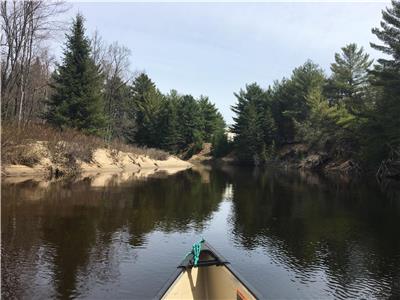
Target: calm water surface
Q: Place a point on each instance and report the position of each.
(291, 235)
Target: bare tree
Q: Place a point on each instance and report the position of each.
(25, 26)
(114, 60)
(117, 70)
(98, 49)
(117, 62)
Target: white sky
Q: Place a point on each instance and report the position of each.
(214, 49)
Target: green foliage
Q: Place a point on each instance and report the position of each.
(254, 125)
(266, 119)
(304, 78)
(147, 107)
(344, 115)
(212, 120)
(220, 144)
(349, 94)
(109, 105)
(384, 125)
(170, 135)
(191, 121)
(289, 101)
(354, 113)
(326, 124)
(77, 100)
(349, 83)
(172, 122)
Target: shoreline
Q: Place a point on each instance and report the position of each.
(103, 161)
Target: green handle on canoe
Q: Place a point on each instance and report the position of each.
(196, 249)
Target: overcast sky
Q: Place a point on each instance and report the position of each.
(215, 49)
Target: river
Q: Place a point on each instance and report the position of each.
(290, 234)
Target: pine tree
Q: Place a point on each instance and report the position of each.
(212, 120)
(146, 105)
(190, 123)
(77, 100)
(268, 126)
(322, 122)
(349, 94)
(170, 136)
(289, 99)
(249, 143)
(253, 94)
(350, 79)
(252, 124)
(386, 123)
(304, 78)
(220, 145)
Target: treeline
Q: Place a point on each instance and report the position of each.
(93, 89)
(96, 98)
(352, 114)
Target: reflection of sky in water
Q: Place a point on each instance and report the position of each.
(130, 236)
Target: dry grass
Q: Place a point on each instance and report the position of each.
(150, 152)
(65, 147)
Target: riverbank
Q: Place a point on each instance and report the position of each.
(303, 157)
(297, 156)
(103, 160)
(42, 150)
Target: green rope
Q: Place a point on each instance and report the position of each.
(196, 249)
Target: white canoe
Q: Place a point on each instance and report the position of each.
(213, 278)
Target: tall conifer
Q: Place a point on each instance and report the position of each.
(77, 100)
(387, 77)
(349, 78)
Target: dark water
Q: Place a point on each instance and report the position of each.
(291, 235)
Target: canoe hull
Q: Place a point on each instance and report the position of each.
(208, 281)
(211, 282)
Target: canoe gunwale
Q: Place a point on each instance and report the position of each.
(187, 264)
(169, 283)
(236, 274)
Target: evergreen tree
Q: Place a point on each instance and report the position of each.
(289, 99)
(325, 122)
(349, 81)
(280, 103)
(303, 80)
(349, 94)
(253, 94)
(170, 136)
(190, 123)
(212, 120)
(249, 143)
(268, 126)
(77, 100)
(219, 144)
(146, 105)
(254, 126)
(385, 125)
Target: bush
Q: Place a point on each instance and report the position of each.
(220, 145)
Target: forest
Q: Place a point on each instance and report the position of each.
(92, 89)
(352, 113)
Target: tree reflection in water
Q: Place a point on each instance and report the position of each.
(311, 224)
(77, 226)
(115, 235)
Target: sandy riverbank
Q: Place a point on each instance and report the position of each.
(103, 160)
